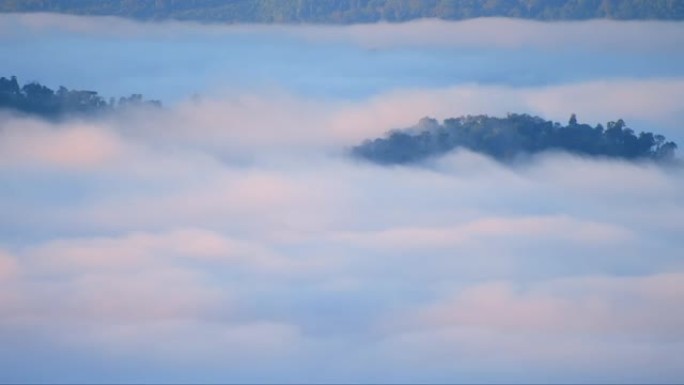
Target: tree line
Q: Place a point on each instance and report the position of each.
(506, 138)
(355, 11)
(36, 99)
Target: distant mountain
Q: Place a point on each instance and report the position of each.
(355, 11)
(507, 138)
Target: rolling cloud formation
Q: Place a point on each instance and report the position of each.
(229, 238)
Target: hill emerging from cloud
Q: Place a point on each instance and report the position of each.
(517, 134)
(37, 99)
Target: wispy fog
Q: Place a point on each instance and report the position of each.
(228, 237)
(170, 61)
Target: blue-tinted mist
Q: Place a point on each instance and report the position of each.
(229, 240)
(175, 67)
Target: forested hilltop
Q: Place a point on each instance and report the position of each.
(354, 11)
(36, 99)
(507, 138)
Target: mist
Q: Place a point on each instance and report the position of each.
(171, 61)
(229, 237)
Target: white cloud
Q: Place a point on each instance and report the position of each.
(490, 230)
(514, 34)
(27, 143)
(595, 102)
(8, 265)
(581, 327)
(231, 237)
(635, 306)
(606, 35)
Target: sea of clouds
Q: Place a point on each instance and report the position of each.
(228, 237)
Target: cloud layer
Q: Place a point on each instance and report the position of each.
(172, 60)
(207, 258)
(230, 238)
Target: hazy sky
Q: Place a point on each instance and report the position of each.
(228, 238)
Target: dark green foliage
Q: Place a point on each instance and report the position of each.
(36, 99)
(507, 138)
(354, 11)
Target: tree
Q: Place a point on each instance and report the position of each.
(506, 138)
(35, 98)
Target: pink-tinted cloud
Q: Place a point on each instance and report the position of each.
(8, 265)
(648, 306)
(82, 146)
(489, 230)
(607, 35)
(594, 101)
(233, 235)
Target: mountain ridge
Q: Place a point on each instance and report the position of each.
(355, 11)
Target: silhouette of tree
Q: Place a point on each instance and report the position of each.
(516, 134)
